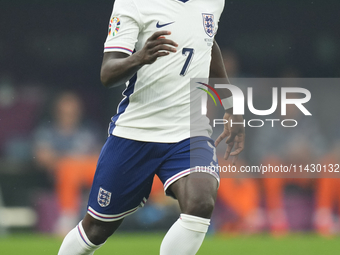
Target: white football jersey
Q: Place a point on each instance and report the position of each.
(156, 107)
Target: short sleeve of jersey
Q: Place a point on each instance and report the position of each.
(124, 27)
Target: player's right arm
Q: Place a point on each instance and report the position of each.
(118, 67)
(126, 24)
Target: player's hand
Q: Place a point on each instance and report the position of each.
(235, 136)
(156, 46)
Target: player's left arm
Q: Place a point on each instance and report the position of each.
(217, 69)
(235, 135)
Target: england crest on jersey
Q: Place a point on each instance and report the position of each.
(209, 24)
(104, 197)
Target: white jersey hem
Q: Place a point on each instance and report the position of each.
(133, 134)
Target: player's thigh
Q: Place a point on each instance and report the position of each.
(123, 179)
(195, 191)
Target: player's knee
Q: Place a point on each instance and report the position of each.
(97, 231)
(97, 235)
(201, 207)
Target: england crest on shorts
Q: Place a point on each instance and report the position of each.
(104, 197)
(209, 24)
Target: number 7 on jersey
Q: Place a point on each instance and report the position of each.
(189, 53)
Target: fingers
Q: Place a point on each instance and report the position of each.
(237, 150)
(236, 142)
(235, 139)
(163, 47)
(239, 146)
(221, 137)
(165, 41)
(160, 41)
(231, 138)
(158, 46)
(235, 158)
(158, 34)
(155, 40)
(228, 150)
(160, 54)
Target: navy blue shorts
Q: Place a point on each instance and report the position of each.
(126, 169)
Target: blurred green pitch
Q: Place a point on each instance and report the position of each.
(148, 244)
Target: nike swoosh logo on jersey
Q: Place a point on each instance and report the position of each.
(163, 25)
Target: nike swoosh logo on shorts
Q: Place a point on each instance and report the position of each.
(163, 25)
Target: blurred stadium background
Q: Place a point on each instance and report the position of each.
(50, 57)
